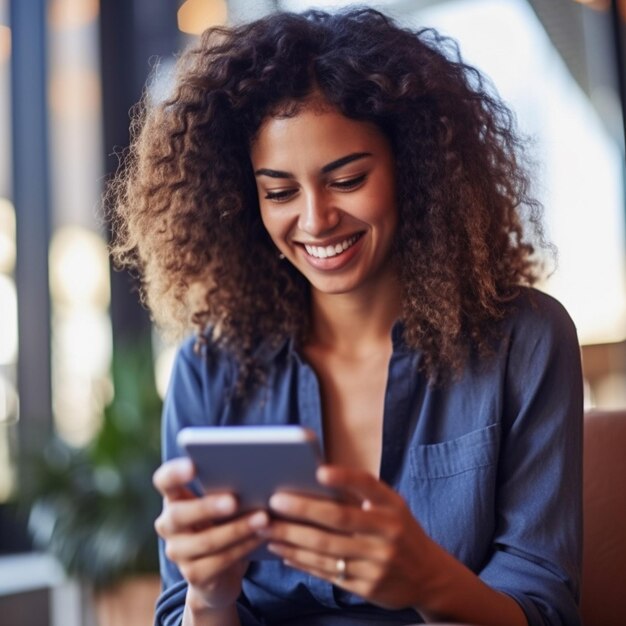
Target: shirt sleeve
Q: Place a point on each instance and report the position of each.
(538, 541)
(199, 387)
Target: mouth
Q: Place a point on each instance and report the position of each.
(331, 250)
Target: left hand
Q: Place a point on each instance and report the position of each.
(388, 558)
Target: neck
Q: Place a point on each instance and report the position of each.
(355, 324)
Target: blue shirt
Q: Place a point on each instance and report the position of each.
(488, 463)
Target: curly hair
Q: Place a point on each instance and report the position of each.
(186, 214)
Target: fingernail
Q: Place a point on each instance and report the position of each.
(258, 520)
(225, 504)
(279, 501)
(274, 548)
(322, 474)
(184, 466)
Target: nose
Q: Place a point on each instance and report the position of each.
(318, 215)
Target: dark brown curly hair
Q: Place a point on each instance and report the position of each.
(186, 214)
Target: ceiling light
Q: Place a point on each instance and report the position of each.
(195, 16)
(598, 5)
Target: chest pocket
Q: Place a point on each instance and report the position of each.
(453, 485)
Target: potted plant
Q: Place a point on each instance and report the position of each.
(94, 507)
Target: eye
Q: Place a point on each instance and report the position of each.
(280, 196)
(350, 184)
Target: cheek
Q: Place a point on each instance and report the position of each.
(268, 217)
(391, 212)
(380, 205)
(264, 217)
(273, 226)
(381, 211)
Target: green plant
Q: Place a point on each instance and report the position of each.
(94, 507)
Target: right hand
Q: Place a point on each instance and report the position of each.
(203, 538)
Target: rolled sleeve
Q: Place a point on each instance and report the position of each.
(538, 539)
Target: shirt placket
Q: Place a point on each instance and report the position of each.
(310, 409)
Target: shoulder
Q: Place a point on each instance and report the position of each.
(539, 342)
(200, 363)
(200, 385)
(206, 364)
(535, 314)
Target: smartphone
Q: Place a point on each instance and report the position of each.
(253, 462)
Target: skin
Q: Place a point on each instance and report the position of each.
(339, 188)
(323, 180)
(209, 552)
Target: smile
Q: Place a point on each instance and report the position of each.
(327, 252)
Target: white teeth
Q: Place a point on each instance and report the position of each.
(325, 252)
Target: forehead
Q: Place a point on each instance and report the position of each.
(314, 130)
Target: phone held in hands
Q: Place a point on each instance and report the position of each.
(253, 462)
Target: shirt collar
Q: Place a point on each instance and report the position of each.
(268, 350)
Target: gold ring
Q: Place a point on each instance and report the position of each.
(340, 566)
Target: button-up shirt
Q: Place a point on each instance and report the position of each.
(488, 462)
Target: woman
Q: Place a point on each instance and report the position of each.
(337, 205)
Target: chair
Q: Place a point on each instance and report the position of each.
(603, 600)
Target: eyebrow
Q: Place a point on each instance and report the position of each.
(329, 167)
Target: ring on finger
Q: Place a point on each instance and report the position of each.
(340, 567)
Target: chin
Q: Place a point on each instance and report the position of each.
(336, 289)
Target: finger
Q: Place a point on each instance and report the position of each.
(184, 515)
(322, 541)
(358, 484)
(359, 577)
(202, 571)
(216, 539)
(333, 515)
(172, 477)
(339, 571)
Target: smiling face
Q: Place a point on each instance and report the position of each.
(326, 186)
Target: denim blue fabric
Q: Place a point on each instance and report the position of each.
(489, 463)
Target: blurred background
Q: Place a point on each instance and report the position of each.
(81, 371)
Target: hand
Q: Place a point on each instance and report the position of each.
(202, 538)
(388, 558)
